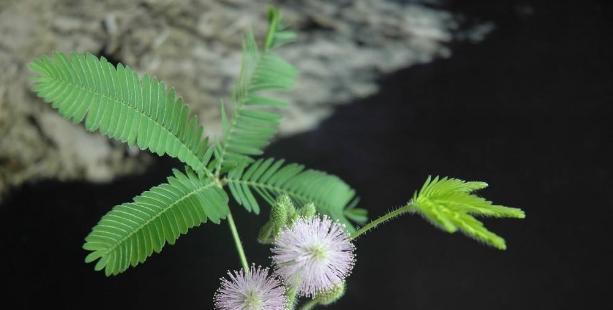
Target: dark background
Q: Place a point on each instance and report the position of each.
(528, 110)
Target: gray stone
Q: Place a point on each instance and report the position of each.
(193, 45)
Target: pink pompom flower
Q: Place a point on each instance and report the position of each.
(314, 255)
(251, 290)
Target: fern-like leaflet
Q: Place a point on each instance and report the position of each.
(451, 205)
(270, 178)
(253, 124)
(131, 232)
(119, 104)
(145, 113)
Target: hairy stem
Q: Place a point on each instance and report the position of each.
(237, 242)
(373, 224)
(309, 305)
(291, 297)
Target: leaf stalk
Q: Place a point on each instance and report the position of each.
(408, 208)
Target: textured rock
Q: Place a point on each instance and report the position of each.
(193, 45)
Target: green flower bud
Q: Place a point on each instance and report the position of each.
(308, 210)
(282, 213)
(330, 296)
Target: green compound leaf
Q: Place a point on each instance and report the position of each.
(119, 104)
(254, 122)
(131, 232)
(277, 34)
(451, 205)
(270, 178)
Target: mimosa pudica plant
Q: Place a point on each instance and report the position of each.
(313, 219)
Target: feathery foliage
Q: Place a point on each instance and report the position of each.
(451, 205)
(119, 104)
(270, 178)
(131, 232)
(144, 112)
(253, 123)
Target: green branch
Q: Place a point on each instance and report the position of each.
(309, 305)
(408, 208)
(237, 242)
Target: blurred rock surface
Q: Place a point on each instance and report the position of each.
(194, 45)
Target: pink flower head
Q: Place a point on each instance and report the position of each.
(314, 254)
(251, 290)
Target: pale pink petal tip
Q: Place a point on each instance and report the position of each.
(252, 290)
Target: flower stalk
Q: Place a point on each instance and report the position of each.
(237, 242)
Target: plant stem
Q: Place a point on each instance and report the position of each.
(291, 297)
(237, 242)
(373, 224)
(309, 305)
